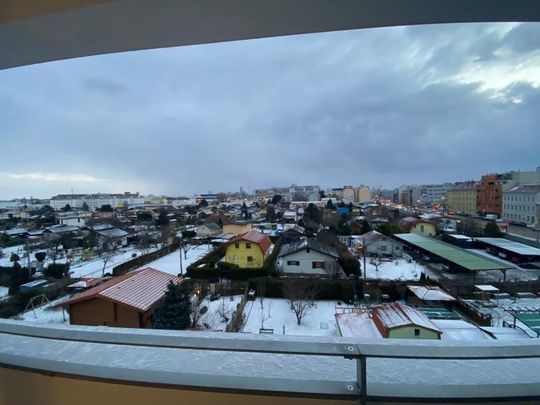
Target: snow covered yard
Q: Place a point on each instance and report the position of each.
(277, 315)
(48, 313)
(171, 262)
(219, 312)
(397, 269)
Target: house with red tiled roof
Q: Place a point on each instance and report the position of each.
(125, 301)
(248, 250)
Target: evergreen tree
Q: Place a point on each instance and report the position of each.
(276, 199)
(85, 207)
(162, 218)
(174, 312)
(330, 205)
(492, 230)
(366, 227)
(66, 208)
(270, 214)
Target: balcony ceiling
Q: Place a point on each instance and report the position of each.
(34, 31)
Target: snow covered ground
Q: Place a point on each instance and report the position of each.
(398, 269)
(48, 313)
(219, 312)
(171, 263)
(3, 292)
(319, 321)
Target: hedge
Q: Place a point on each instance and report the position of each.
(142, 260)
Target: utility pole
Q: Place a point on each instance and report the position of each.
(364, 254)
(180, 251)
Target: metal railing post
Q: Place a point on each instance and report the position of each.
(361, 378)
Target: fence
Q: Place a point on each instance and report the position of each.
(144, 259)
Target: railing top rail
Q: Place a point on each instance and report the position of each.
(341, 347)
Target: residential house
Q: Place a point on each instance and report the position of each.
(417, 225)
(377, 244)
(308, 257)
(237, 228)
(248, 250)
(73, 218)
(429, 296)
(114, 236)
(125, 301)
(397, 321)
(209, 229)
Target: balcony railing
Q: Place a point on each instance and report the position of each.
(331, 368)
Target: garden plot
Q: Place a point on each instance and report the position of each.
(277, 316)
(171, 262)
(397, 269)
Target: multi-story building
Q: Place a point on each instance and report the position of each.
(409, 195)
(461, 198)
(522, 204)
(489, 191)
(362, 194)
(434, 193)
(93, 201)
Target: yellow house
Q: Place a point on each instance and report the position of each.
(417, 225)
(396, 321)
(237, 228)
(248, 250)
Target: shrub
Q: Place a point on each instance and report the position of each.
(57, 270)
(14, 257)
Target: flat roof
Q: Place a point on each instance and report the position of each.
(486, 288)
(515, 247)
(531, 319)
(468, 260)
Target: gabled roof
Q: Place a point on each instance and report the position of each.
(212, 226)
(138, 289)
(305, 243)
(395, 315)
(430, 293)
(256, 237)
(372, 236)
(408, 222)
(113, 233)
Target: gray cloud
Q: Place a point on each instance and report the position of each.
(381, 107)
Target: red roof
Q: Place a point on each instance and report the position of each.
(137, 289)
(256, 237)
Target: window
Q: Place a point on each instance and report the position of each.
(293, 263)
(235, 259)
(248, 245)
(250, 259)
(318, 265)
(237, 245)
(417, 332)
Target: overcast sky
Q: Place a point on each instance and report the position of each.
(382, 107)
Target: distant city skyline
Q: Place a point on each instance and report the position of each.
(382, 107)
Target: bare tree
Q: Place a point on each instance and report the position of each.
(197, 307)
(376, 262)
(224, 311)
(143, 243)
(52, 242)
(105, 253)
(300, 295)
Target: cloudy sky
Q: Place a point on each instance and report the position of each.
(382, 107)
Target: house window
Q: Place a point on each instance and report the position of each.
(237, 245)
(235, 259)
(417, 332)
(248, 245)
(318, 265)
(293, 263)
(250, 259)
(307, 250)
(422, 228)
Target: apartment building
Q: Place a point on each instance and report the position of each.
(522, 204)
(461, 198)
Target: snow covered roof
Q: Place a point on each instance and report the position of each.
(430, 293)
(138, 289)
(395, 315)
(113, 233)
(86, 283)
(458, 329)
(305, 243)
(256, 237)
(357, 324)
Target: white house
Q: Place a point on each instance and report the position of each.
(377, 244)
(308, 257)
(209, 229)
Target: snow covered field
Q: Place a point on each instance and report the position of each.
(171, 263)
(399, 269)
(319, 321)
